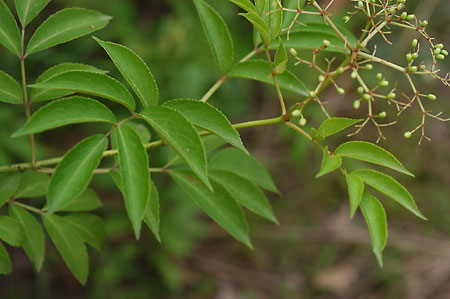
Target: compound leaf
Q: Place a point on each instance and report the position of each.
(218, 35)
(389, 187)
(179, 133)
(66, 25)
(209, 118)
(69, 244)
(34, 237)
(64, 112)
(369, 152)
(375, 217)
(219, 205)
(75, 171)
(134, 70)
(27, 10)
(334, 125)
(133, 162)
(96, 84)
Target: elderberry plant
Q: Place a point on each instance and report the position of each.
(193, 129)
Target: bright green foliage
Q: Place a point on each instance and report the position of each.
(39, 95)
(5, 261)
(219, 205)
(10, 90)
(133, 163)
(11, 231)
(335, 125)
(389, 187)
(259, 25)
(244, 192)
(259, 70)
(134, 70)
(275, 18)
(9, 33)
(27, 10)
(355, 186)
(179, 133)
(70, 245)
(248, 167)
(369, 152)
(151, 217)
(64, 112)
(8, 186)
(281, 60)
(90, 228)
(33, 235)
(209, 118)
(64, 26)
(218, 35)
(96, 84)
(375, 217)
(32, 184)
(87, 201)
(245, 4)
(330, 163)
(75, 171)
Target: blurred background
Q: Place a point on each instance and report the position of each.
(316, 252)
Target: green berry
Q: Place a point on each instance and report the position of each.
(445, 52)
(407, 134)
(340, 70)
(360, 4)
(414, 55)
(379, 76)
(373, 1)
(346, 19)
(321, 78)
(439, 46)
(302, 121)
(404, 15)
(353, 75)
(326, 43)
(424, 23)
(437, 51)
(368, 67)
(410, 17)
(293, 52)
(401, 1)
(390, 96)
(312, 94)
(414, 43)
(360, 90)
(422, 67)
(382, 114)
(409, 57)
(366, 97)
(384, 83)
(412, 69)
(356, 104)
(431, 97)
(295, 113)
(440, 57)
(340, 90)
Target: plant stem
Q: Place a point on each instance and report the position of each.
(109, 153)
(26, 207)
(26, 103)
(275, 80)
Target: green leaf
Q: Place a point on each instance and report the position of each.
(10, 90)
(134, 70)
(87, 201)
(261, 6)
(389, 187)
(66, 111)
(219, 205)
(245, 5)
(34, 237)
(355, 187)
(259, 70)
(289, 16)
(371, 153)
(330, 163)
(90, 228)
(69, 244)
(275, 18)
(39, 95)
(9, 31)
(311, 37)
(209, 118)
(100, 85)
(375, 217)
(244, 192)
(217, 34)
(248, 167)
(32, 184)
(259, 25)
(133, 162)
(11, 231)
(75, 171)
(66, 25)
(335, 125)
(8, 186)
(5, 261)
(281, 60)
(151, 217)
(179, 133)
(27, 10)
